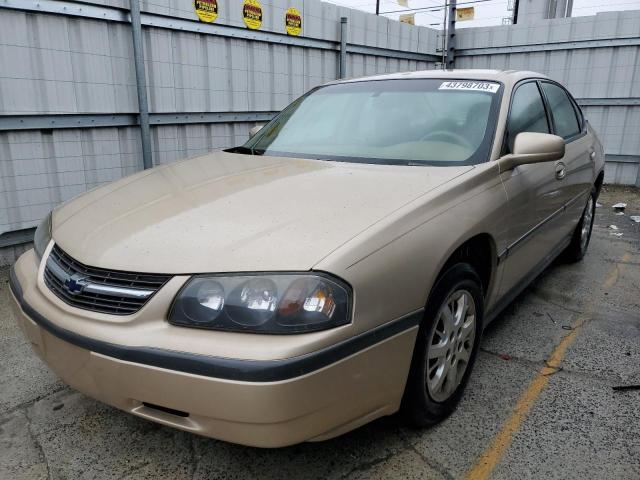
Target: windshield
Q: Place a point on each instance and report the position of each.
(412, 121)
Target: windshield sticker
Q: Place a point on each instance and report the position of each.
(476, 86)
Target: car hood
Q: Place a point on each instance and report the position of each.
(226, 212)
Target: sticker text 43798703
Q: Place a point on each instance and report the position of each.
(470, 85)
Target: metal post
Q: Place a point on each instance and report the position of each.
(443, 49)
(342, 72)
(451, 35)
(377, 7)
(568, 9)
(141, 83)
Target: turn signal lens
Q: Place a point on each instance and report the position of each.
(307, 300)
(256, 303)
(42, 237)
(321, 301)
(293, 298)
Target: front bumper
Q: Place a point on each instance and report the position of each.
(259, 403)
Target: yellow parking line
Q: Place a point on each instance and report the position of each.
(490, 458)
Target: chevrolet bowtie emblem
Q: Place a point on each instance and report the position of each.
(75, 284)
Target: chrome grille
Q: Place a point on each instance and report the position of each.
(98, 289)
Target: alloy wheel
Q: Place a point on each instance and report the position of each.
(451, 345)
(587, 220)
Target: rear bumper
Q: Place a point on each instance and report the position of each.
(260, 403)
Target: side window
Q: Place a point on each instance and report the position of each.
(562, 110)
(527, 113)
(578, 114)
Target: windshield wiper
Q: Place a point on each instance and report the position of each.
(245, 150)
(239, 149)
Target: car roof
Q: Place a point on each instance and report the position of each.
(508, 77)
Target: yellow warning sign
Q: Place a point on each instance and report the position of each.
(293, 21)
(207, 10)
(252, 14)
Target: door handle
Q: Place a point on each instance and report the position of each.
(560, 170)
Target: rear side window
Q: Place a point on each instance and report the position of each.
(578, 114)
(562, 110)
(527, 113)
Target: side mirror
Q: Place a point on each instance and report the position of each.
(255, 130)
(531, 147)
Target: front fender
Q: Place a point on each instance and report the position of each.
(394, 264)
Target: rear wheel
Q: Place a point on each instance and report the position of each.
(446, 347)
(582, 234)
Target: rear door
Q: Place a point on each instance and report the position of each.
(578, 162)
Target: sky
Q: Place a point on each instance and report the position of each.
(487, 13)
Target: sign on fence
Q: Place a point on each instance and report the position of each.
(207, 10)
(463, 14)
(293, 21)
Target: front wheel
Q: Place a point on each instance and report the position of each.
(582, 234)
(446, 347)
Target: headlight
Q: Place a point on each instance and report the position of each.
(42, 237)
(276, 303)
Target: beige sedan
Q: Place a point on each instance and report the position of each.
(339, 266)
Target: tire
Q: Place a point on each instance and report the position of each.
(423, 403)
(581, 237)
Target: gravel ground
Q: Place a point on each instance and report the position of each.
(576, 426)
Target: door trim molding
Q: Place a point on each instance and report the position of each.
(527, 235)
(514, 291)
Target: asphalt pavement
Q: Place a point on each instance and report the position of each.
(541, 402)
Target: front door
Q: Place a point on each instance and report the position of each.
(534, 192)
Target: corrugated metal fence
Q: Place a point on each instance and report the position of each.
(596, 57)
(68, 102)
